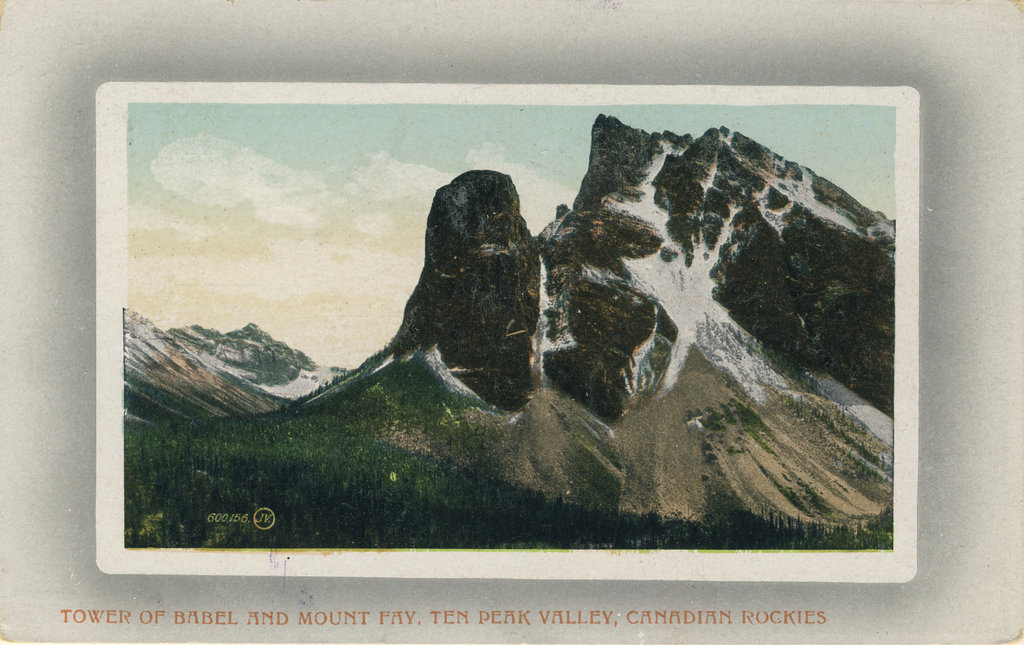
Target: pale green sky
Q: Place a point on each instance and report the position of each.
(308, 219)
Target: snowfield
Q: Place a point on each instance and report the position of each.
(875, 421)
(685, 292)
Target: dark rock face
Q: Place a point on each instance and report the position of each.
(821, 296)
(478, 294)
(679, 183)
(610, 322)
(753, 285)
(843, 288)
(622, 338)
(697, 214)
(601, 239)
(776, 200)
(619, 156)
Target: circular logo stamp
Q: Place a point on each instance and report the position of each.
(263, 518)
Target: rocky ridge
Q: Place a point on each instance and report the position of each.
(718, 243)
(195, 372)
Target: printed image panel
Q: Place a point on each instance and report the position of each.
(431, 330)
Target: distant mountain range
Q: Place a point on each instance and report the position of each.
(707, 324)
(194, 372)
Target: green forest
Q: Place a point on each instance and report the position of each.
(333, 482)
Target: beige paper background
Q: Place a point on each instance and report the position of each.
(965, 60)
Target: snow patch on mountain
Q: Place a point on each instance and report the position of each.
(435, 362)
(542, 343)
(595, 426)
(862, 412)
(549, 340)
(685, 292)
(641, 375)
(143, 342)
(733, 349)
(307, 381)
(802, 192)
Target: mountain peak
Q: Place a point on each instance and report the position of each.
(478, 203)
(735, 241)
(618, 156)
(251, 331)
(248, 348)
(606, 121)
(195, 371)
(713, 134)
(477, 297)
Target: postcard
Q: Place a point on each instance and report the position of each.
(533, 331)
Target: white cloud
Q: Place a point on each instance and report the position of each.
(142, 217)
(385, 184)
(385, 179)
(216, 172)
(538, 195)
